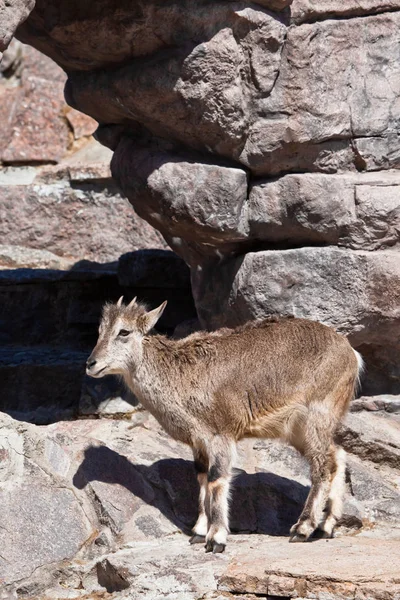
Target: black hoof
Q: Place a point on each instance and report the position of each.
(213, 547)
(324, 535)
(218, 548)
(197, 539)
(297, 538)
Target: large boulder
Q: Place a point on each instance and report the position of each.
(234, 80)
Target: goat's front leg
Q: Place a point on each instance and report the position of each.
(201, 466)
(221, 453)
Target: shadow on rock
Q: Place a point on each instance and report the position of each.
(261, 503)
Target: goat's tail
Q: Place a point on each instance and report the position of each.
(360, 371)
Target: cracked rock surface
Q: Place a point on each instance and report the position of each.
(248, 133)
(104, 507)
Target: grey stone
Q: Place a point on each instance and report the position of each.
(41, 383)
(291, 135)
(380, 500)
(99, 505)
(316, 10)
(388, 403)
(48, 526)
(359, 211)
(12, 14)
(373, 437)
(220, 95)
(267, 121)
(82, 219)
(309, 283)
(187, 200)
(275, 4)
(12, 257)
(11, 59)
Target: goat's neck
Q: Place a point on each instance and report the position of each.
(154, 377)
(157, 385)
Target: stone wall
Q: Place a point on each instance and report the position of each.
(262, 140)
(56, 190)
(67, 244)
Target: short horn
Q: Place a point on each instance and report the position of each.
(132, 302)
(119, 303)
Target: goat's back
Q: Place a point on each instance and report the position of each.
(271, 367)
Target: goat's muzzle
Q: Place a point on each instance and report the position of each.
(91, 364)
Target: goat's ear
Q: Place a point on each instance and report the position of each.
(148, 320)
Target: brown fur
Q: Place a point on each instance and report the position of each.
(282, 378)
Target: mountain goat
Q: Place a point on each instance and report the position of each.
(283, 378)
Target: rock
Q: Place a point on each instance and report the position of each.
(121, 492)
(48, 526)
(359, 211)
(41, 383)
(39, 124)
(11, 59)
(153, 268)
(38, 65)
(81, 124)
(12, 257)
(12, 14)
(309, 283)
(190, 200)
(294, 573)
(377, 495)
(106, 397)
(373, 437)
(76, 213)
(10, 98)
(390, 404)
(312, 10)
(186, 328)
(294, 134)
(268, 122)
(217, 48)
(275, 4)
(374, 153)
(39, 134)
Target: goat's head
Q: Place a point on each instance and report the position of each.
(121, 332)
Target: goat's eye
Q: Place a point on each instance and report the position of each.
(123, 332)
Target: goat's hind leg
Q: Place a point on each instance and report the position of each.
(313, 511)
(222, 451)
(336, 492)
(201, 466)
(315, 444)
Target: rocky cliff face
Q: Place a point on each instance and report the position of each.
(261, 139)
